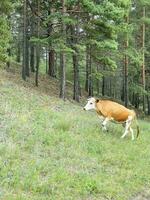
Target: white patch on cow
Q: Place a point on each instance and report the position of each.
(104, 124)
(132, 134)
(129, 118)
(90, 104)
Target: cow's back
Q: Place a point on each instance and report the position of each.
(113, 110)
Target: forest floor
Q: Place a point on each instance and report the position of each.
(53, 150)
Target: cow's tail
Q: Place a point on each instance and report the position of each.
(138, 128)
(137, 125)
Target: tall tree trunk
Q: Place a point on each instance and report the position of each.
(38, 46)
(51, 63)
(51, 53)
(56, 64)
(98, 83)
(62, 76)
(89, 81)
(76, 78)
(123, 83)
(24, 39)
(37, 64)
(75, 58)
(46, 52)
(9, 54)
(87, 69)
(32, 57)
(63, 60)
(27, 57)
(103, 86)
(143, 59)
(110, 86)
(8, 49)
(18, 56)
(148, 103)
(90, 89)
(32, 46)
(126, 63)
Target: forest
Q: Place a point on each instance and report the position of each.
(99, 47)
(54, 54)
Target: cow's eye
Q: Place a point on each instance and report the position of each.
(90, 103)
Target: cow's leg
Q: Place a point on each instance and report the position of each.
(104, 128)
(132, 134)
(126, 129)
(128, 124)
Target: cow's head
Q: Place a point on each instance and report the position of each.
(90, 104)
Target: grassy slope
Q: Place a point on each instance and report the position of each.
(53, 150)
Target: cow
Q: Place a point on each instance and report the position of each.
(112, 111)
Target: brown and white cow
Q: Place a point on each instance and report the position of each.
(112, 111)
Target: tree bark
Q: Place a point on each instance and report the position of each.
(148, 103)
(87, 70)
(18, 57)
(103, 86)
(24, 40)
(32, 58)
(38, 46)
(62, 76)
(126, 63)
(98, 83)
(123, 83)
(63, 60)
(110, 86)
(32, 46)
(46, 60)
(27, 57)
(75, 58)
(51, 53)
(76, 79)
(90, 89)
(9, 54)
(143, 60)
(51, 63)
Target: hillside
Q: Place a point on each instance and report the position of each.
(50, 149)
(47, 84)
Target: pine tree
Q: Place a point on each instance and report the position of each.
(126, 65)
(37, 44)
(62, 58)
(5, 36)
(24, 40)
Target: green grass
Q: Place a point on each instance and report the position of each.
(53, 150)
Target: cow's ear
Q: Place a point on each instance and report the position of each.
(97, 100)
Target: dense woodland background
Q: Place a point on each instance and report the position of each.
(101, 46)
(72, 49)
